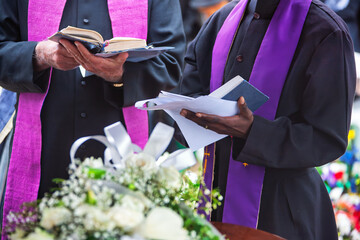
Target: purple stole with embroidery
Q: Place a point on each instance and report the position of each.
(128, 19)
(272, 63)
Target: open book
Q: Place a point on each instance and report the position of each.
(221, 102)
(94, 42)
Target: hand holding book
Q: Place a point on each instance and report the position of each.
(112, 49)
(239, 124)
(218, 114)
(110, 69)
(236, 126)
(51, 54)
(95, 44)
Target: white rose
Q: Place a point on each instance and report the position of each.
(95, 218)
(132, 203)
(170, 176)
(163, 224)
(39, 235)
(56, 216)
(142, 160)
(125, 218)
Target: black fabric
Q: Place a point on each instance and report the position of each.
(311, 123)
(76, 107)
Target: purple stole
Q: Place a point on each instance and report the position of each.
(244, 183)
(128, 19)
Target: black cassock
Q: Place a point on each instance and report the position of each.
(76, 107)
(311, 123)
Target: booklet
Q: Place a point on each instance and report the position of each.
(94, 42)
(222, 102)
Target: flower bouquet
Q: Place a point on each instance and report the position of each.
(342, 179)
(131, 195)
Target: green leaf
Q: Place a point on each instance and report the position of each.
(58, 180)
(131, 186)
(90, 198)
(96, 173)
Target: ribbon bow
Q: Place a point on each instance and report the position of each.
(119, 147)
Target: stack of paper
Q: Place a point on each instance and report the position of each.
(195, 135)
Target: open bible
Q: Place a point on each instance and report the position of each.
(94, 42)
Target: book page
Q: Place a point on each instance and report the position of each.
(123, 43)
(195, 135)
(84, 34)
(222, 102)
(227, 87)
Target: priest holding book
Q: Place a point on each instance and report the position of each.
(300, 54)
(56, 105)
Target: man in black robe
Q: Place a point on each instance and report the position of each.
(77, 106)
(311, 122)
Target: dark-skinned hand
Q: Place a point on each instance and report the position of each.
(110, 69)
(236, 126)
(52, 54)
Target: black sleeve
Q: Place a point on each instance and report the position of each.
(326, 106)
(16, 53)
(145, 79)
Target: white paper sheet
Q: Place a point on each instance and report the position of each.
(195, 135)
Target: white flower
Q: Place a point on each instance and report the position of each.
(344, 224)
(133, 237)
(146, 201)
(352, 199)
(56, 216)
(355, 235)
(170, 176)
(39, 235)
(126, 218)
(192, 176)
(94, 218)
(94, 162)
(335, 193)
(356, 169)
(142, 160)
(133, 203)
(18, 234)
(163, 224)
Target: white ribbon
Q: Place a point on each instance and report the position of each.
(119, 146)
(159, 140)
(180, 159)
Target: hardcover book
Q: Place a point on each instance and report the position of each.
(238, 87)
(221, 102)
(94, 42)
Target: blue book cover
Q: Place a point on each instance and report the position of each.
(238, 87)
